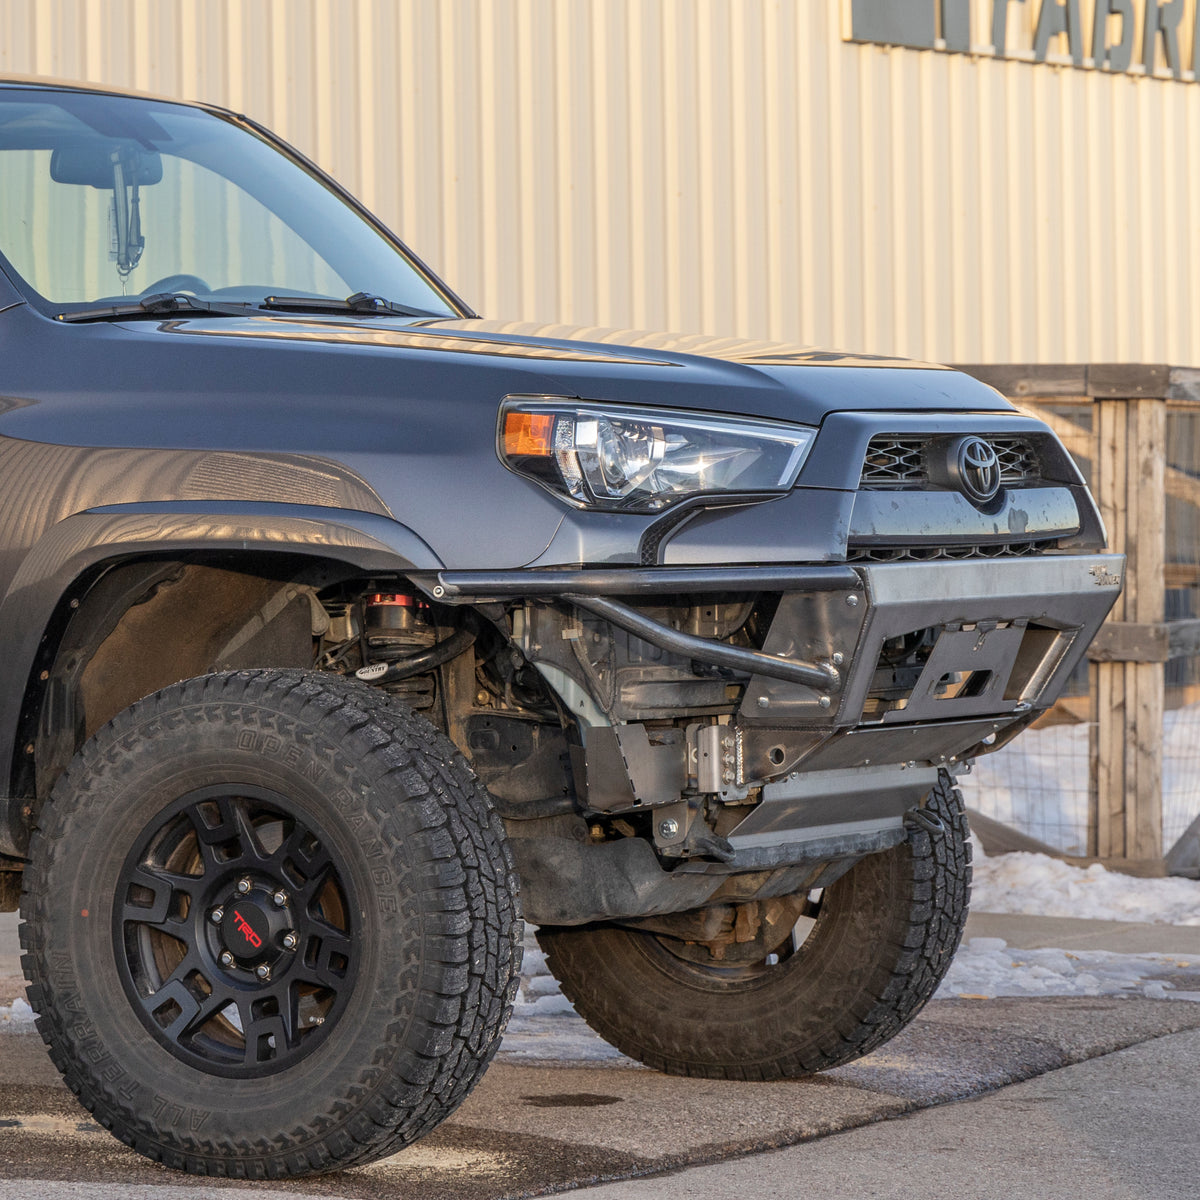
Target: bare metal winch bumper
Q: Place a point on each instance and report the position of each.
(1000, 639)
(1006, 636)
(1018, 625)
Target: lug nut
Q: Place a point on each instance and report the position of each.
(668, 828)
(243, 886)
(226, 959)
(263, 971)
(217, 916)
(290, 940)
(279, 899)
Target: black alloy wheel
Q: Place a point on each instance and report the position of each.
(234, 930)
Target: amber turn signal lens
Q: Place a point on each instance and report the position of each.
(528, 434)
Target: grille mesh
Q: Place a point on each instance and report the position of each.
(887, 554)
(901, 462)
(658, 533)
(1018, 460)
(895, 462)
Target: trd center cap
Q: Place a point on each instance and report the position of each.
(246, 930)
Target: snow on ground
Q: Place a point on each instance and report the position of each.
(1035, 883)
(1043, 886)
(17, 1016)
(986, 967)
(544, 1026)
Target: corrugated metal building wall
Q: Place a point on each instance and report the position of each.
(727, 166)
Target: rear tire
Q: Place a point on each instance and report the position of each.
(883, 938)
(271, 925)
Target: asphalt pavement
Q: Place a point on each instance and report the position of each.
(1119, 1127)
(1034, 1098)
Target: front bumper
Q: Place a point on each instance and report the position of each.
(1003, 638)
(1015, 628)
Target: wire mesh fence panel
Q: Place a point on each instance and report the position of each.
(1038, 785)
(1181, 717)
(1181, 770)
(1117, 759)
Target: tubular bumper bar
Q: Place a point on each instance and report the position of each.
(457, 587)
(1072, 594)
(591, 591)
(823, 678)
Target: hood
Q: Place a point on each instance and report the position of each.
(755, 378)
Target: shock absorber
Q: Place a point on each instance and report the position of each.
(401, 644)
(396, 625)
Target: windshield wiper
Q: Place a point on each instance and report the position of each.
(168, 302)
(360, 302)
(152, 306)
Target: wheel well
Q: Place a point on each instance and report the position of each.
(135, 627)
(142, 625)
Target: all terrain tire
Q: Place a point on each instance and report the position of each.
(271, 925)
(883, 937)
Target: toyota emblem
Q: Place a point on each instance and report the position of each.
(975, 469)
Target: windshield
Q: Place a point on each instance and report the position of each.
(105, 199)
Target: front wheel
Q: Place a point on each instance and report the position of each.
(271, 925)
(807, 996)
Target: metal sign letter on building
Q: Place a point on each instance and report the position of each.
(1142, 37)
(894, 22)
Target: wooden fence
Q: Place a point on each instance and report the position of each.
(1135, 432)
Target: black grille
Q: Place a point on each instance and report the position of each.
(895, 462)
(902, 462)
(888, 554)
(1018, 461)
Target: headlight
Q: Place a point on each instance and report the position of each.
(643, 459)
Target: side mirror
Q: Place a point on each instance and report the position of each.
(90, 164)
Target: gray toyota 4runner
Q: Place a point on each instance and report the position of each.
(341, 625)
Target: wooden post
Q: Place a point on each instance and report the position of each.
(1127, 673)
(1127, 697)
